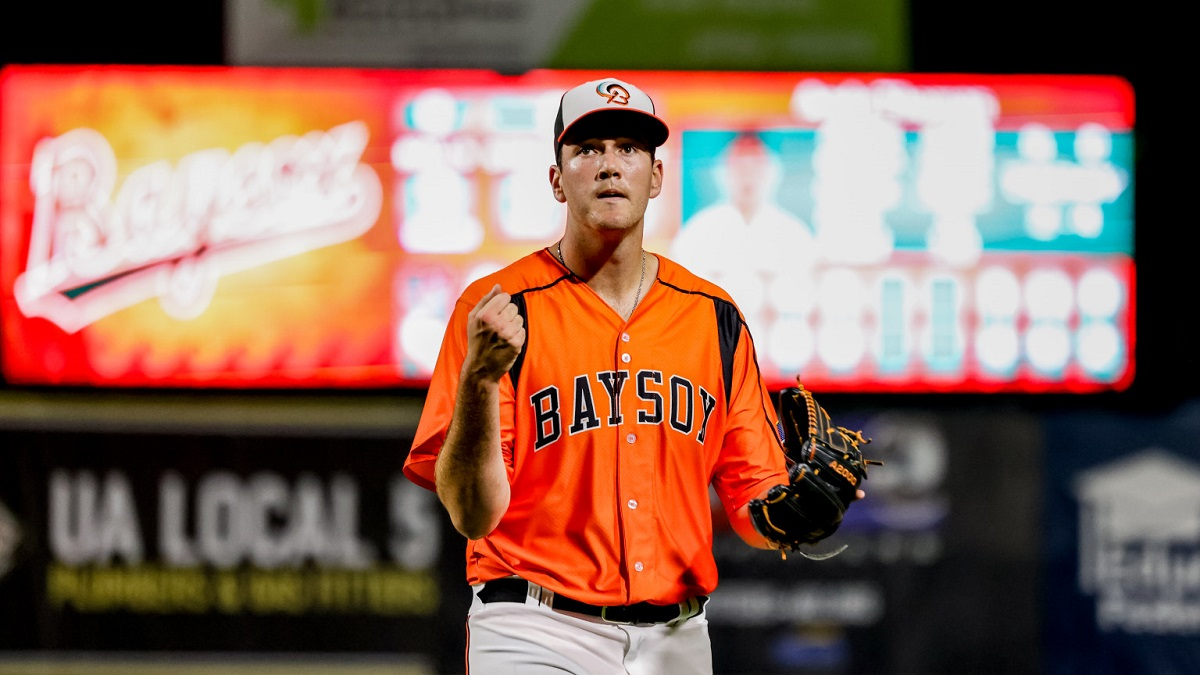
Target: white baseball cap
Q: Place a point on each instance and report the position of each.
(610, 96)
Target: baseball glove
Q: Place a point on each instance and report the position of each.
(826, 471)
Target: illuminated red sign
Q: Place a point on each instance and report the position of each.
(240, 227)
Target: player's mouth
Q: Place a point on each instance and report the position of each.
(610, 194)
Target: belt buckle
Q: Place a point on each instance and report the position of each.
(604, 617)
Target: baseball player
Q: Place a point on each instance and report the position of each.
(584, 400)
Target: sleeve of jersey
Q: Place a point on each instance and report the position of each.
(439, 404)
(752, 458)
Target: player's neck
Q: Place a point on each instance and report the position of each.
(620, 275)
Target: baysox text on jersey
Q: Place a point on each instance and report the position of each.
(672, 399)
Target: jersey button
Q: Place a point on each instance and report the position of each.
(638, 566)
(625, 358)
(631, 438)
(624, 337)
(632, 503)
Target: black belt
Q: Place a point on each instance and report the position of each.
(516, 590)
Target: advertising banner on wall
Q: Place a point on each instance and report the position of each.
(288, 228)
(519, 35)
(116, 543)
(1123, 543)
(939, 573)
(157, 543)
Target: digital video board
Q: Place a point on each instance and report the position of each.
(278, 228)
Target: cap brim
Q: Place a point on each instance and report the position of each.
(624, 122)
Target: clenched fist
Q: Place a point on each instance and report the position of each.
(495, 335)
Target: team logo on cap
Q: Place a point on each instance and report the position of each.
(614, 92)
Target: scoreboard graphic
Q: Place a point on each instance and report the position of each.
(312, 228)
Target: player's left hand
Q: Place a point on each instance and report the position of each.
(824, 481)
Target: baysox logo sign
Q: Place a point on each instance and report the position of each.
(1139, 543)
(171, 232)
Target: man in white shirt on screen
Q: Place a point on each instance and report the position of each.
(746, 241)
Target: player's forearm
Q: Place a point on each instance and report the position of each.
(744, 527)
(471, 480)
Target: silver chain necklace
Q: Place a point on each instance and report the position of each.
(636, 299)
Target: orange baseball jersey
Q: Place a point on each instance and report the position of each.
(612, 432)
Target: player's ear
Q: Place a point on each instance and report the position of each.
(556, 184)
(656, 178)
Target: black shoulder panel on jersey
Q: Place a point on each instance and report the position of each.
(729, 331)
(514, 373)
(518, 299)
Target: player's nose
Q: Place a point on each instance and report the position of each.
(610, 165)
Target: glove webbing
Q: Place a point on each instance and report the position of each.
(816, 424)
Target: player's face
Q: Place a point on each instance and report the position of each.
(606, 182)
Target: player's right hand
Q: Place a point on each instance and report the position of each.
(495, 335)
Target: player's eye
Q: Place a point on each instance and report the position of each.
(633, 147)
